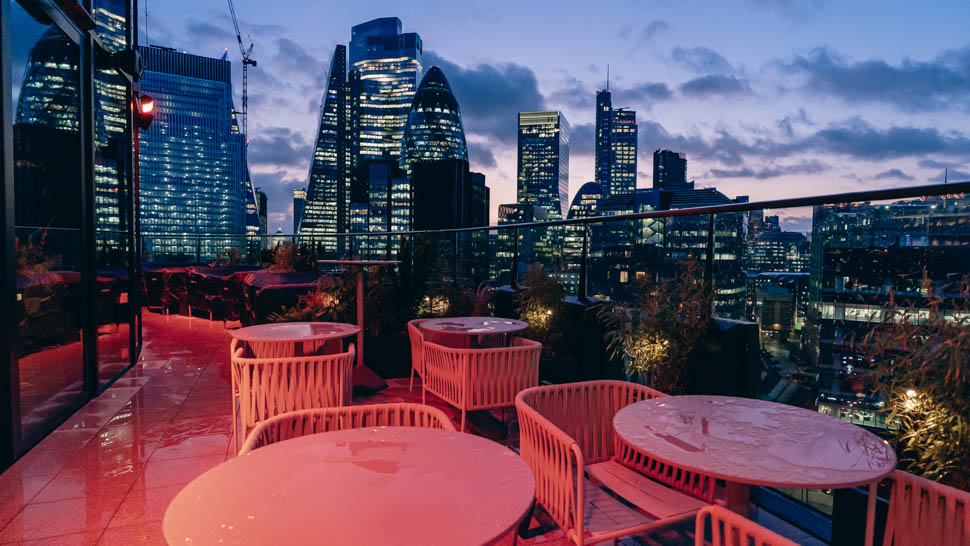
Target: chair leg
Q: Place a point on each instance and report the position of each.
(235, 428)
(411, 384)
(424, 393)
(463, 420)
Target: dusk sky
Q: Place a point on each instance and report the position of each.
(767, 98)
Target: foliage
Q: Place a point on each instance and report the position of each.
(332, 301)
(31, 257)
(288, 258)
(230, 257)
(657, 338)
(541, 304)
(921, 365)
(450, 298)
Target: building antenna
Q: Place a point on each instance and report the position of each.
(944, 175)
(147, 39)
(607, 76)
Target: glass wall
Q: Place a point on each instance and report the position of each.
(67, 243)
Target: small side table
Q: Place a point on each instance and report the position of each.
(361, 264)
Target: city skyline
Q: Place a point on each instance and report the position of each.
(765, 100)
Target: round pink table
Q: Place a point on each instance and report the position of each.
(466, 331)
(754, 442)
(304, 338)
(384, 485)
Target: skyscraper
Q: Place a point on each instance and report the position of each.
(623, 151)
(389, 66)
(543, 161)
(604, 118)
(328, 185)
(263, 201)
(299, 205)
(191, 160)
(670, 171)
(616, 146)
(434, 130)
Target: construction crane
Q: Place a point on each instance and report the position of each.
(247, 60)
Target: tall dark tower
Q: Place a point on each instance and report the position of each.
(328, 199)
(670, 170)
(604, 115)
(623, 151)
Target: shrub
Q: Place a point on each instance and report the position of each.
(540, 304)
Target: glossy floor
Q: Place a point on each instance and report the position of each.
(108, 473)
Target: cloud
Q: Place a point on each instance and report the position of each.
(952, 175)
(642, 34)
(581, 139)
(480, 155)
(788, 123)
(644, 92)
(205, 31)
(638, 97)
(939, 84)
(861, 140)
(279, 146)
(811, 166)
(715, 84)
(892, 174)
(934, 164)
(484, 90)
(702, 60)
(796, 12)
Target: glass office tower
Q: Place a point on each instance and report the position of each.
(191, 161)
(543, 161)
(434, 130)
(389, 64)
(328, 187)
(616, 146)
(69, 276)
(623, 151)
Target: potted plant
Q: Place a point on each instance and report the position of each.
(921, 366)
(657, 338)
(540, 303)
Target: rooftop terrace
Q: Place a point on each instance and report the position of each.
(107, 475)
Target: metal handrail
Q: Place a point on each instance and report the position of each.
(931, 190)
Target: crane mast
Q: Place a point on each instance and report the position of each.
(247, 61)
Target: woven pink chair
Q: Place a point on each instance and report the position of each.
(730, 529)
(922, 511)
(417, 350)
(566, 436)
(265, 387)
(479, 379)
(300, 423)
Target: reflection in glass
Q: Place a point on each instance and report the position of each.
(47, 185)
(112, 217)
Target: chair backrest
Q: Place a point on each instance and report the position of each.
(922, 511)
(300, 423)
(417, 341)
(729, 529)
(272, 386)
(480, 378)
(585, 411)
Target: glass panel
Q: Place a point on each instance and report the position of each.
(47, 182)
(112, 193)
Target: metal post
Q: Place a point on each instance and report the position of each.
(456, 256)
(709, 263)
(584, 264)
(198, 249)
(515, 259)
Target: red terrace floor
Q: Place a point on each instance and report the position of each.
(108, 473)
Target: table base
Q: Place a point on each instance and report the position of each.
(738, 498)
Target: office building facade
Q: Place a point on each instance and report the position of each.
(328, 182)
(389, 66)
(191, 162)
(616, 146)
(543, 161)
(299, 205)
(670, 170)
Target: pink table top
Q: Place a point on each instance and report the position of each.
(474, 325)
(755, 442)
(385, 485)
(296, 331)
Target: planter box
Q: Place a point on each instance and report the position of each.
(728, 362)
